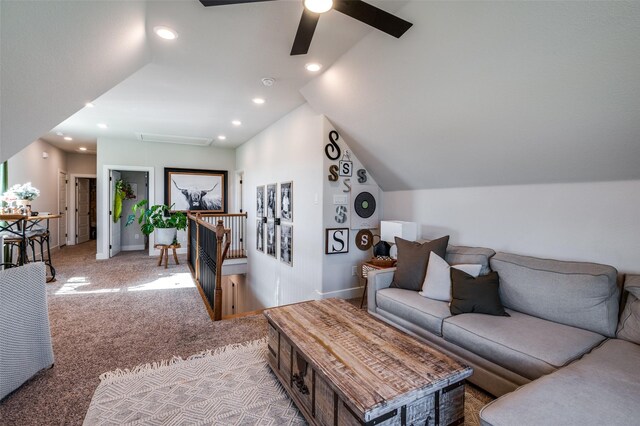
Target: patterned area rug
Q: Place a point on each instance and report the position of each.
(232, 385)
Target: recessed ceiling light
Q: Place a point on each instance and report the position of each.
(236, 122)
(313, 67)
(59, 133)
(89, 105)
(68, 138)
(102, 125)
(221, 137)
(82, 148)
(165, 33)
(318, 6)
(258, 101)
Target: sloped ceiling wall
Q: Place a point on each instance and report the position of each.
(57, 55)
(492, 93)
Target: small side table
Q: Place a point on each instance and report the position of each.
(164, 253)
(366, 268)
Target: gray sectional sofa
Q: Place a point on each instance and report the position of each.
(555, 360)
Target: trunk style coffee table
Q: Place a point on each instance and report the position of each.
(341, 366)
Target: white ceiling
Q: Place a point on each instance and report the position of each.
(196, 85)
(493, 93)
(55, 57)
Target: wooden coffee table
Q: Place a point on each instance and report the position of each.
(341, 366)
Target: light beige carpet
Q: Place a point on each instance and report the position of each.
(119, 313)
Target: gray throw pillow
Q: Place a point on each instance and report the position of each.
(629, 326)
(413, 259)
(475, 295)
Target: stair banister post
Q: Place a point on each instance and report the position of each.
(217, 298)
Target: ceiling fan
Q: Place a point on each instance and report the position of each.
(357, 9)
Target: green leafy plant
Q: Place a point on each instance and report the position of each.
(158, 216)
(123, 191)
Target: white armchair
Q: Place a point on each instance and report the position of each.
(25, 336)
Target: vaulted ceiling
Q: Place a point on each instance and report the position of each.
(493, 93)
(193, 86)
(475, 93)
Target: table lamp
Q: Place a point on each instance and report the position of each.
(390, 229)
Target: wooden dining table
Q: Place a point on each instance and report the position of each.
(20, 227)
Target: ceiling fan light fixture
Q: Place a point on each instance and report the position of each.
(318, 6)
(165, 33)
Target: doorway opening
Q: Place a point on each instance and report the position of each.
(122, 237)
(85, 214)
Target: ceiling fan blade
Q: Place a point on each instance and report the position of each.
(371, 15)
(306, 28)
(225, 2)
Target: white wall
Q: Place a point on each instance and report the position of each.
(56, 56)
(288, 150)
(81, 164)
(114, 152)
(595, 222)
(29, 166)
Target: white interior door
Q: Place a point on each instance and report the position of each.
(115, 240)
(62, 208)
(82, 210)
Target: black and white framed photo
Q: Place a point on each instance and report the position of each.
(337, 241)
(271, 200)
(195, 190)
(259, 235)
(286, 244)
(286, 201)
(271, 239)
(260, 201)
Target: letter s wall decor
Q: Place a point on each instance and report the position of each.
(337, 241)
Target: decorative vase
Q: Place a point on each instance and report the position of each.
(165, 235)
(22, 203)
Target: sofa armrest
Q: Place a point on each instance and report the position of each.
(377, 281)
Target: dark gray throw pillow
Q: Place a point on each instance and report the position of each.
(475, 295)
(413, 259)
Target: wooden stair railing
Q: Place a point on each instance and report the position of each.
(209, 258)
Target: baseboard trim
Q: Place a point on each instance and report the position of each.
(347, 293)
(133, 247)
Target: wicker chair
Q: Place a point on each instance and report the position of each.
(25, 336)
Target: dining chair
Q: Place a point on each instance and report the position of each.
(13, 231)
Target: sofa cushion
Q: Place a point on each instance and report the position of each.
(437, 283)
(474, 255)
(478, 295)
(602, 388)
(413, 259)
(629, 327)
(526, 345)
(583, 295)
(409, 305)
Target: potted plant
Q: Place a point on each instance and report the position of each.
(159, 218)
